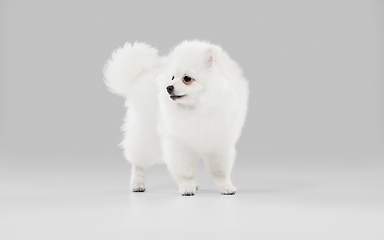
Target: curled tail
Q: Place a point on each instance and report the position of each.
(126, 63)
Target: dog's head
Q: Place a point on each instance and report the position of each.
(191, 72)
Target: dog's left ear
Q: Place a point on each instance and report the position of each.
(211, 56)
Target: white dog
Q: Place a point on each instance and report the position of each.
(189, 104)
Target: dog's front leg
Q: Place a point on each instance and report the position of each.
(181, 162)
(220, 165)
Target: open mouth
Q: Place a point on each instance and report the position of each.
(175, 97)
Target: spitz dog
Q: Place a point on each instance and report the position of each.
(188, 105)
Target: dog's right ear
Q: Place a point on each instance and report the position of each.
(211, 56)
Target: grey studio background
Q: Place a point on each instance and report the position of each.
(310, 160)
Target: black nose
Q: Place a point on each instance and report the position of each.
(170, 88)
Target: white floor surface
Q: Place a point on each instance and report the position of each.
(275, 200)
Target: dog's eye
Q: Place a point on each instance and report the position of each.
(187, 78)
(173, 77)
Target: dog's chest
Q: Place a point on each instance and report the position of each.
(201, 130)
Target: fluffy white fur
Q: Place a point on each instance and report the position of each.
(205, 122)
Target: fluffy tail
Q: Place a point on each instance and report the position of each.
(126, 63)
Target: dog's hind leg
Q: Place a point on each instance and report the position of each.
(142, 155)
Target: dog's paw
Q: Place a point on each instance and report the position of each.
(231, 190)
(140, 187)
(190, 191)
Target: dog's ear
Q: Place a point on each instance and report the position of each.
(211, 56)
